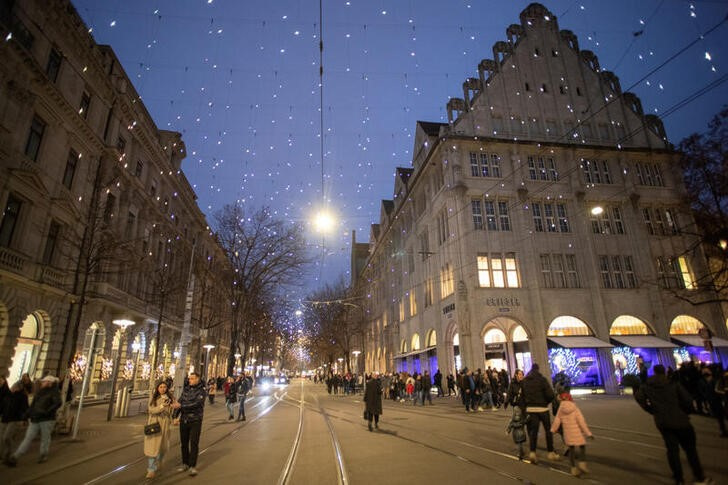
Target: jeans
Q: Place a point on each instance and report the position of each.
(426, 394)
(674, 439)
(45, 428)
(241, 407)
(189, 440)
(487, 398)
(574, 451)
(418, 397)
(532, 424)
(153, 462)
(230, 405)
(10, 434)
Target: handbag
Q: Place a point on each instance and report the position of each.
(152, 429)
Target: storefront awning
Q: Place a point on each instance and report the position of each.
(697, 341)
(580, 342)
(414, 352)
(643, 341)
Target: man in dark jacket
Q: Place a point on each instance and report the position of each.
(13, 411)
(537, 394)
(438, 383)
(426, 386)
(242, 390)
(669, 404)
(373, 401)
(42, 414)
(191, 407)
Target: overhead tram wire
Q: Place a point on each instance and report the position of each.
(321, 129)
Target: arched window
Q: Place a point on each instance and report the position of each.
(494, 336)
(416, 342)
(27, 349)
(567, 326)
(628, 325)
(685, 325)
(431, 338)
(519, 334)
(403, 346)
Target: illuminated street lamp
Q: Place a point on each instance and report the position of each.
(208, 347)
(597, 210)
(323, 221)
(135, 347)
(122, 323)
(356, 358)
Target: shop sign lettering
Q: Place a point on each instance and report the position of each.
(502, 301)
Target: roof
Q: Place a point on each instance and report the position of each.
(388, 205)
(431, 128)
(580, 342)
(404, 173)
(643, 341)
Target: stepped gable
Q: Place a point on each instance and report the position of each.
(426, 134)
(540, 86)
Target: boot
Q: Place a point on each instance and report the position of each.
(554, 456)
(370, 425)
(532, 457)
(582, 466)
(575, 471)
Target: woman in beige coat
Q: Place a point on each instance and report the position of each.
(160, 411)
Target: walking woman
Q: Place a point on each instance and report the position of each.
(160, 411)
(373, 401)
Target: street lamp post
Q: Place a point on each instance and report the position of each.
(122, 324)
(356, 359)
(136, 346)
(340, 359)
(237, 360)
(208, 347)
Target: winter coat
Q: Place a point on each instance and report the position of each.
(426, 382)
(515, 395)
(156, 444)
(230, 394)
(192, 402)
(373, 397)
(536, 390)
(517, 426)
(573, 424)
(15, 406)
(45, 404)
(668, 402)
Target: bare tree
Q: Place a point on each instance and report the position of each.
(266, 254)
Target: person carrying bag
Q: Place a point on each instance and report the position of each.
(158, 427)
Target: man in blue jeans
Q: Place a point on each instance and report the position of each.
(42, 414)
(191, 407)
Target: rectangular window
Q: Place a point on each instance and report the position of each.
(35, 136)
(54, 65)
(483, 272)
(617, 219)
(617, 272)
(139, 168)
(70, 170)
(659, 223)
(412, 303)
(596, 172)
(548, 279)
(428, 292)
(85, 103)
(604, 271)
(424, 245)
(511, 271)
(474, 167)
(563, 220)
(548, 212)
(505, 221)
(443, 230)
(605, 172)
(447, 282)
(401, 310)
(537, 218)
(687, 275)
(532, 172)
(490, 215)
(608, 222)
(130, 222)
(646, 216)
(551, 167)
(495, 165)
(484, 167)
(10, 220)
(51, 241)
(629, 272)
(649, 174)
(477, 210)
(558, 268)
(671, 223)
(496, 264)
(572, 271)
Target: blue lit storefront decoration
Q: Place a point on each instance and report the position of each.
(690, 335)
(636, 347)
(574, 351)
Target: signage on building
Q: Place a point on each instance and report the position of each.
(494, 347)
(448, 309)
(502, 301)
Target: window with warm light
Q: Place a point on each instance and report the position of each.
(498, 270)
(428, 292)
(412, 303)
(567, 326)
(685, 325)
(628, 325)
(416, 342)
(447, 281)
(483, 272)
(687, 275)
(401, 310)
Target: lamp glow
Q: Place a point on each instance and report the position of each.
(597, 210)
(323, 221)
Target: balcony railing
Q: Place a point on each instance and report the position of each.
(13, 261)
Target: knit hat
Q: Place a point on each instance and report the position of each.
(565, 396)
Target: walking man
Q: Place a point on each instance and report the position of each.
(669, 404)
(438, 383)
(538, 395)
(426, 386)
(373, 401)
(242, 390)
(190, 408)
(42, 415)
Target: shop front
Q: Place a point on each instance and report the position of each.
(506, 346)
(574, 352)
(636, 349)
(696, 343)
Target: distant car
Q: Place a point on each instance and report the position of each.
(282, 380)
(264, 385)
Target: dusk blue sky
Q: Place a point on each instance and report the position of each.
(240, 80)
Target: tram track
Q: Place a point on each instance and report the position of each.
(121, 468)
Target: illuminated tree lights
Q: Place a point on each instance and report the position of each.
(625, 361)
(564, 360)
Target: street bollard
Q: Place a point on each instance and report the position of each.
(127, 401)
(117, 405)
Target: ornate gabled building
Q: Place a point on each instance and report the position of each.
(543, 223)
(96, 211)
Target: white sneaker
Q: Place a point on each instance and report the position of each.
(193, 471)
(480, 408)
(183, 468)
(532, 457)
(554, 456)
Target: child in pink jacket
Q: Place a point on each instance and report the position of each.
(574, 427)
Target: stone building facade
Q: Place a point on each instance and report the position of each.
(544, 223)
(92, 192)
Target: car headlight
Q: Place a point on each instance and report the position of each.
(276, 380)
(266, 386)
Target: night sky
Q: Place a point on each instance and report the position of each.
(240, 80)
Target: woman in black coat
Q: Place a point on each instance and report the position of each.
(373, 401)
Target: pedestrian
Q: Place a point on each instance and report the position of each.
(713, 399)
(516, 428)
(538, 394)
(27, 384)
(157, 444)
(211, 385)
(373, 401)
(410, 387)
(720, 391)
(486, 395)
(418, 391)
(230, 397)
(574, 429)
(451, 386)
(4, 392)
(242, 390)
(42, 414)
(13, 411)
(514, 397)
(469, 397)
(669, 403)
(438, 383)
(426, 387)
(191, 407)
